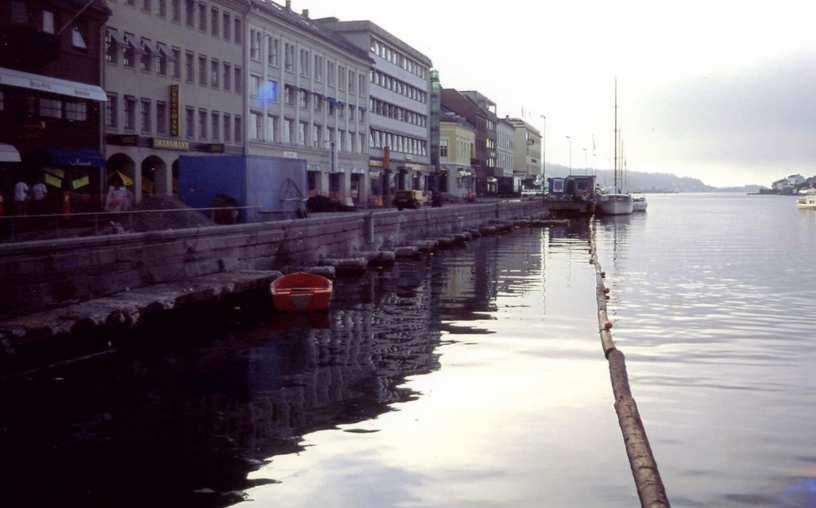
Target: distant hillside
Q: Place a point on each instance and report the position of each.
(641, 182)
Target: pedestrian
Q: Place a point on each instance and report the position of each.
(21, 197)
(39, 192)
(119, 197)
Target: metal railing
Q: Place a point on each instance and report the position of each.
(20, 228)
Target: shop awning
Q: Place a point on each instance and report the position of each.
(9, 154)
(11, 77)
(76, 158)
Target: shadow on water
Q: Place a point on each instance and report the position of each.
(182, 412)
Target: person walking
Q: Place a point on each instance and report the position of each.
(21, 197)
(39, 192)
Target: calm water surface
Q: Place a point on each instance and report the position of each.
(472, 378)
(715, 302)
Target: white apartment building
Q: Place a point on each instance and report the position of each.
(174, 75)
(307, 98)
(505, 134)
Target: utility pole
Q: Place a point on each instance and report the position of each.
(569, 138)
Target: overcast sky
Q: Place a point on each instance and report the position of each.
(718, 90)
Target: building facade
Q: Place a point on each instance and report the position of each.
(526, 151)
(505, 136)
(399, 106)
(307, 98)
(457, 148)
(480, 112)
(51, 100)
(174, 75)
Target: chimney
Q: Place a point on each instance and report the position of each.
(306, 13)
(288, 5)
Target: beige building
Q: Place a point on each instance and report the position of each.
(526, 149)
(457, 149)
(307, 98)
(505, 136)
(174, 78)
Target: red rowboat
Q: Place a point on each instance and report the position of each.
(302, 292)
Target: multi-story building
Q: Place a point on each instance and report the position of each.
(307, 98)
(399, 105)
(480, 112)
(505, 134)
(51, 99)
(526, 151)
(174, 75)
(457, 148)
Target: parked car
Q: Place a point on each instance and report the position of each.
(408, 199)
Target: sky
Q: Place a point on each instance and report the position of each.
(718, 90)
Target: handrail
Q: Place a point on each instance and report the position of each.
(129, 212)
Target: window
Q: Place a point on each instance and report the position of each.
(342, 145)
(341, 74)
(144, 113)
(227, 128)
(255, 85)
(189, 123)
(176, 63)
(215, 120)
(362, 143)
(316, 136)
(146, 60)
(237, 83)
(302, 133)
(238, 129)
(130, 113)
(351, 80)
(318, 68)
(289, 92)
(351, 112)
(111, 46)
(162, 59)
(289, 57)
(255, 126)
(443, 148)
(303, 99)
(19, 12)
(202, 124)
(189, 9)
(175, 6)
(215, 73)
(214, 20)
(318, 103)
(112, 111)
(226, 25)
(189, 66)
(273, 52)
(237, 36)
(272, 129)
(50, 108)
(202, 70)
(77, 39)
(332, 69)
(255, 45)
(161, 117)
(227, 77)
(304, 62)
(163, 8)
(202, 17)
(288, 127)
(48, 22)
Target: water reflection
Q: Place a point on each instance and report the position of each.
(470, 378)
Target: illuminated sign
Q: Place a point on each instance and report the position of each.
(171, 144)
(175, 106)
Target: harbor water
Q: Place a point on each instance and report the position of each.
(471, 378)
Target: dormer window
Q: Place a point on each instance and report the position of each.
(77, 39)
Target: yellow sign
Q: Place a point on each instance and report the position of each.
(175, 107)
(59, 173)
(171, 144)
(53, 181)
(125, 179)
(81, 182)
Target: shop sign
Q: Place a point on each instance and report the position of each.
(375, 164)
(290, 155)
(175, 106)
(171, 144)
(213, 148)
(123, 140)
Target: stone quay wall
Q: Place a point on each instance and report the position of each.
(36, 276)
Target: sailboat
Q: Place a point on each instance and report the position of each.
(617, 202)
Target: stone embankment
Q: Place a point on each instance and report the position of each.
(58, 288)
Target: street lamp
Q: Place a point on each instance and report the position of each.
(544, 153)
(570, 153)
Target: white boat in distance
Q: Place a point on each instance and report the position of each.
(639, 204)
(616, 204)
(807, 201)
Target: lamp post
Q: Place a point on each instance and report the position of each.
(544, 154)
(569, 138)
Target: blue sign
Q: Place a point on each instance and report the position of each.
(267, 94)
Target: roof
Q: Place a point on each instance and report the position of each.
(371, 27)
(449, 116)
(311, 26)
(519, 123)
(100, 5)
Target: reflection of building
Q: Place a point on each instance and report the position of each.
(174, 76)
(526, 150)
(457, 148)
(307, 98)
(480, 112)
(399, 107)
(505, 134)
(50, 97)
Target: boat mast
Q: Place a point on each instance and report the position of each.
(616, 135)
